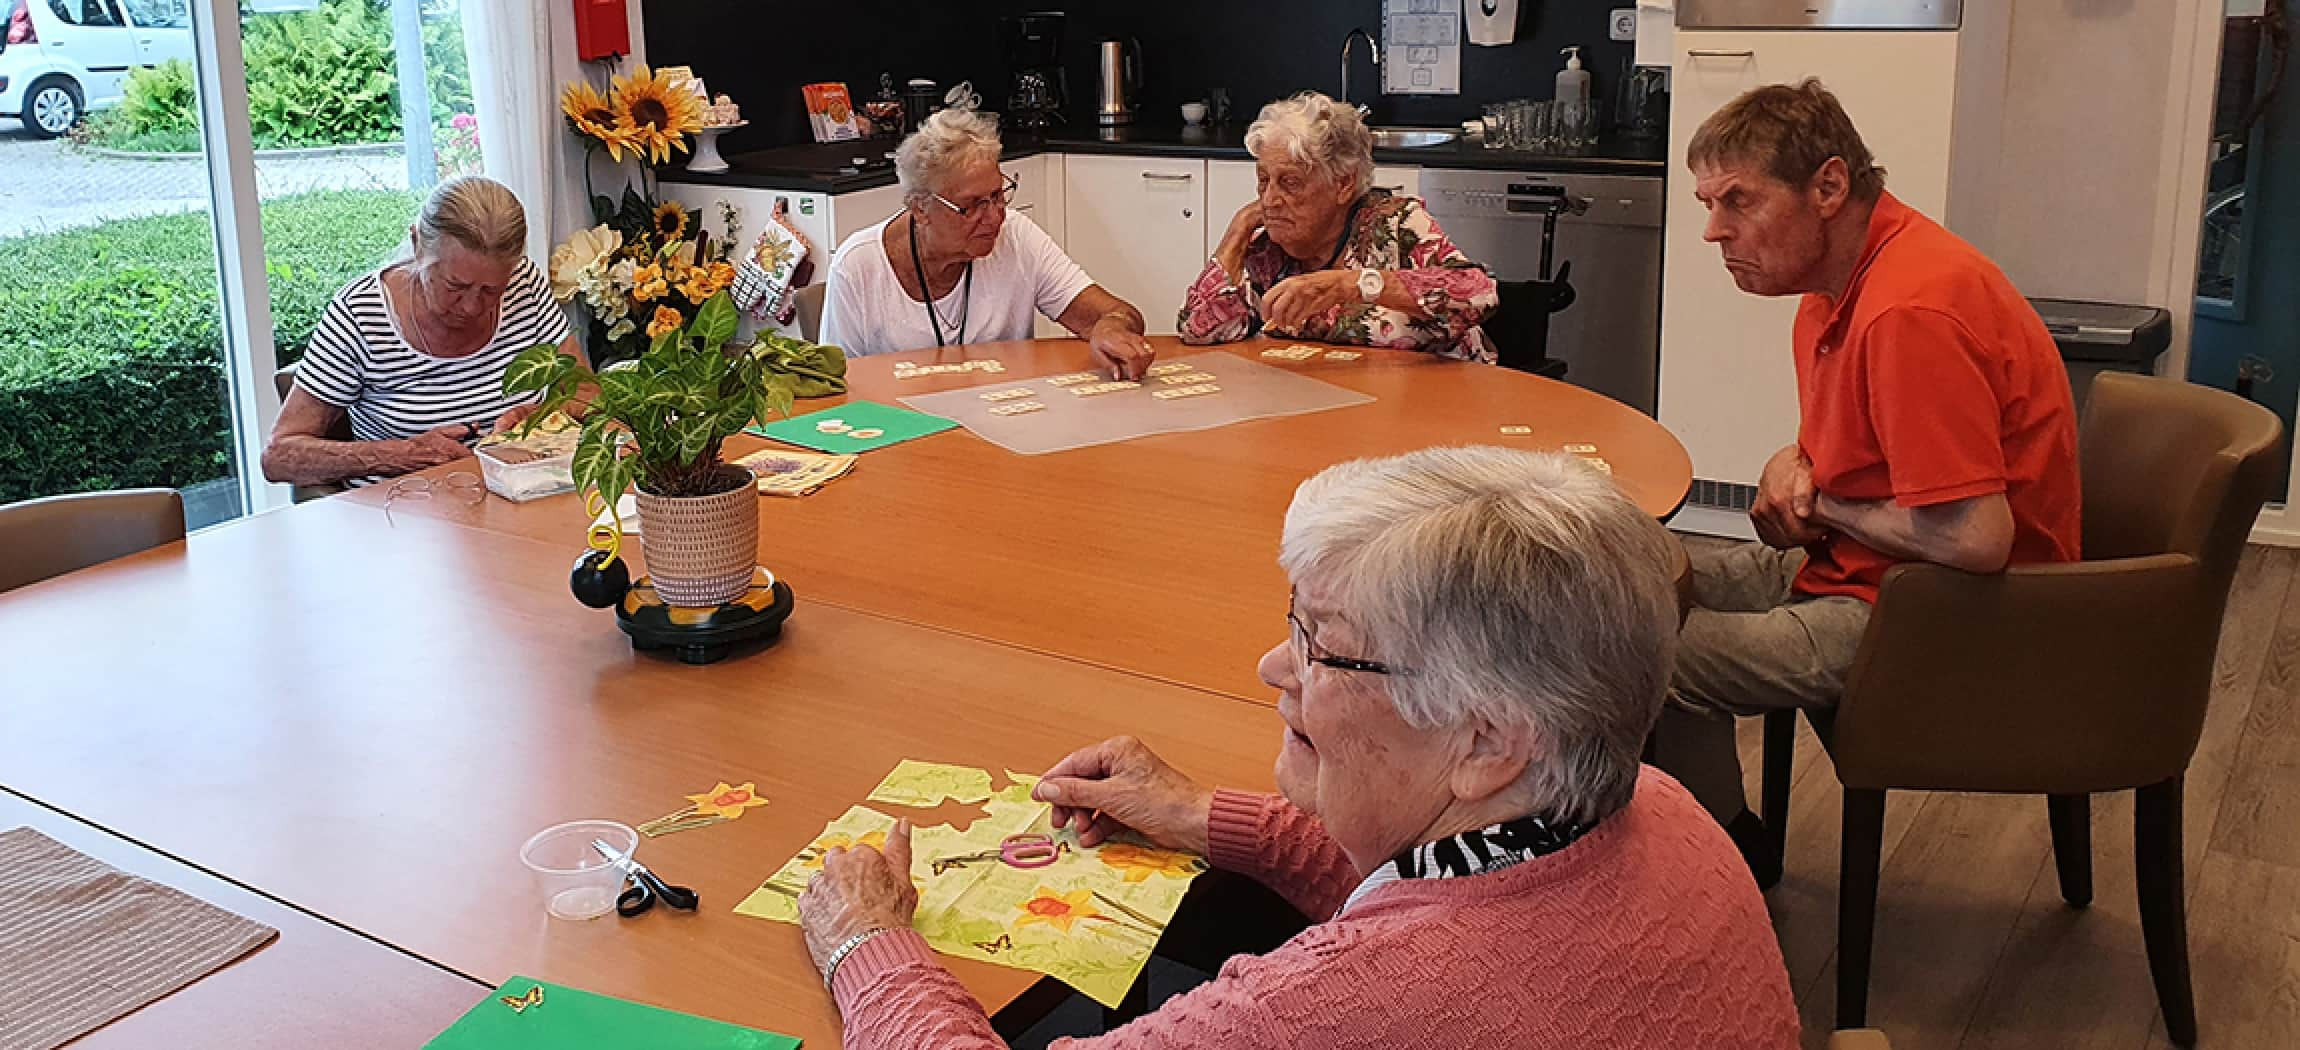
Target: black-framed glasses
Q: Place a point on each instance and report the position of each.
(1306, 649)
(981, 207)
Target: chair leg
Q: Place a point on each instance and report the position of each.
(1864, 844)
(2156, 858)
(1780, 755)
(2072, 846)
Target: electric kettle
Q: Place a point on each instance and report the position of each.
(1118, 74)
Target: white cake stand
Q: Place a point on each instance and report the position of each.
(706, 159)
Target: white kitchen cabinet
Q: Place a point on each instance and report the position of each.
(1138, 226)
(1728, 381)
(1229, 187)
(1398, 179)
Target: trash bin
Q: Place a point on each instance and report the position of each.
(2104, 337)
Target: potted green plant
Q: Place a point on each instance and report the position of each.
(656, 423)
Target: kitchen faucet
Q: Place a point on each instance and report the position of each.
(1373, 49)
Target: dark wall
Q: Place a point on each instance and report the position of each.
(760, 53)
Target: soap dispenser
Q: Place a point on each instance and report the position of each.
(1572, 81)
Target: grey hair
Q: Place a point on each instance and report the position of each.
(1327, 135)
(478, 212)
(945, 140)
(1521, 589)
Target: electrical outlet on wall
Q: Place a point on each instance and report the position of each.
(1624, 24)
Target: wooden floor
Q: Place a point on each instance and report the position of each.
(1976, 951)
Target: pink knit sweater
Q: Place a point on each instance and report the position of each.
(1647, 933)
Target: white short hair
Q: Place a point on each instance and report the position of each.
(1519, 588)
(1327, 135)
(943, 142)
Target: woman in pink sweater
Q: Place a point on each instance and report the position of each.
(1480, 640)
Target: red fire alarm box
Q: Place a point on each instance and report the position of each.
(602, 30)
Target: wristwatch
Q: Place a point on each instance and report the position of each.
(1370, 285)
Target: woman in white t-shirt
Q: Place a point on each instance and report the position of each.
(953, 267)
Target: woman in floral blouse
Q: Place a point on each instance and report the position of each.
(1321, 255)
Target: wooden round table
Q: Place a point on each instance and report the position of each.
(1156, 555)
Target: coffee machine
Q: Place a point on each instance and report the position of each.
(1033, 44)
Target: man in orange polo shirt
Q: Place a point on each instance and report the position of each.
(1935, 424)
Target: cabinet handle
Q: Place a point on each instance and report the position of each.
(1160, 176)
(1707, 52)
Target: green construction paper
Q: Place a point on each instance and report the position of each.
(570, 1019)
(899, 425)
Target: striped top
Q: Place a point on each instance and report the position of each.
(359, 361)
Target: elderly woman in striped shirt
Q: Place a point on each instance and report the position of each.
(414, 353)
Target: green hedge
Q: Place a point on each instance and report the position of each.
(324, 77)
(111, 341)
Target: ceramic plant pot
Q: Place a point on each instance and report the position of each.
(701, 550)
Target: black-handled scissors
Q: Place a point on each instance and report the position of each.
(646, 888)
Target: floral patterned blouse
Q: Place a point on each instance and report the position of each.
(1389, 233)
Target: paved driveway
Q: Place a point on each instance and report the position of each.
(47, 185)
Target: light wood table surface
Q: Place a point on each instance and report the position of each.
(317, 985)
(366, 720)
(1157, 555)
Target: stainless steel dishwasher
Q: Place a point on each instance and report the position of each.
(1610, 338)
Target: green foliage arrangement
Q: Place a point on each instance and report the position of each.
(658, 420)
(160, 98)
(111, 360)
(324, 77)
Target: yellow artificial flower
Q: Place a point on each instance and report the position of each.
(1141, 862)
(654, 113)
(696, 285)
(591, 114)
(648, 285)
(1058, 910)
(722, 276)
(670, 221)
(723, 800)
(666, 320)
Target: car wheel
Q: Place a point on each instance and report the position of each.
(51, 107)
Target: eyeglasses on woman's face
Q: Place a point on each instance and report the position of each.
(981, 206)
(1307, 651)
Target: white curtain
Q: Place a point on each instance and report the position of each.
(521, 52)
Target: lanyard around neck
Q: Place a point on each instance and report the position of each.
(965, 304)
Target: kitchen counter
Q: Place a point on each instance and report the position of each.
(845, 167)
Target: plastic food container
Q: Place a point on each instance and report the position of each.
(519, 479)
(576, 881)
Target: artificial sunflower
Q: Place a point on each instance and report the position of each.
(666, 320)
(589, 113)
(670, 221)
(654, 113)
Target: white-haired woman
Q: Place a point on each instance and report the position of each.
(1321, 254)
(1479, 640)
(953, 267)
(414, 353)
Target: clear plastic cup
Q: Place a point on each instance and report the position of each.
(577, 882)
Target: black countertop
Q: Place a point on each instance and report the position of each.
(845, 167)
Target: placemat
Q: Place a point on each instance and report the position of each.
(1248, 390)
(83, 943)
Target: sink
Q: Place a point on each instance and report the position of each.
(1412, 138)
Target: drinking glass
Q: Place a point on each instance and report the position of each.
(1496, 121)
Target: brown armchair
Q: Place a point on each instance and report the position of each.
(60, 534)
(2059, 680)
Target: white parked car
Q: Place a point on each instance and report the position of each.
(60, 59)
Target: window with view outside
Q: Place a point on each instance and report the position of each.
(112, 367)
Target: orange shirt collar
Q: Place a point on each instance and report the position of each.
(1888, 219)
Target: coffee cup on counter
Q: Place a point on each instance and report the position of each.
(1193, 113)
